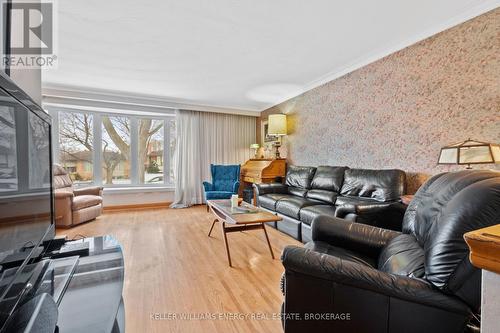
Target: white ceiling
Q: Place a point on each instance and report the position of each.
(246, 55)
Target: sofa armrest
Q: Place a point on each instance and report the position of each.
(63, 208)
(353, 236)
(387, 215)
(343, 210)
(63, 195)
(207, 186)
(345, 272)
(365, 208)
(94, 190)
(236, 187)
(266, 188)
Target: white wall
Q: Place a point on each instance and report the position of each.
(114, 197)
(490, 307)
(30, 80)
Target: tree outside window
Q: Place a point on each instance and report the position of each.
(76, 147)
(76, 141)
(151, 142)
(116, 150)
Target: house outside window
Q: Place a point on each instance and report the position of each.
(114, 150)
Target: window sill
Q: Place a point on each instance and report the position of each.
(138, 189)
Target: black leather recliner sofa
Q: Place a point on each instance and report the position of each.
(360, 195)
(417, 280)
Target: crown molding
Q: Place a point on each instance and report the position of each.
(53, 94)
(367, 59)
(102, 99)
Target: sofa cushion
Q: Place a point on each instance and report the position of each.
(84, 201)
(269, 200)
(328, 178)
(291, 206)
(299, 176)
(322, 195)
(61, 178)
(213, 195)
(403, 256)
(308, 214)
(323, 247)
(297, 191)
(380, 185)
(343, 200)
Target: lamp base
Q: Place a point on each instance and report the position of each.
(277, 145)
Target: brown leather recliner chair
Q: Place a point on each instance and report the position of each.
(74, 206)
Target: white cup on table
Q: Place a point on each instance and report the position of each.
(234, 200)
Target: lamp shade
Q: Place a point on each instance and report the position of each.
(277, 124)
(470, 152)
(254, 146)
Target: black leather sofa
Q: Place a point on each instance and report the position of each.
(360, 195)
(417, 280)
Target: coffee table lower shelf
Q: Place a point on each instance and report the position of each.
(239, 222)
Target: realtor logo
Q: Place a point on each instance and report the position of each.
(31, 24)
(30, 33)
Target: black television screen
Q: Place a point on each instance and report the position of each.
(5, 31)
(26, 195)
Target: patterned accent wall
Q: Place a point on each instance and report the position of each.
(398, 111)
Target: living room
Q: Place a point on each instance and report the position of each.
(250, 167)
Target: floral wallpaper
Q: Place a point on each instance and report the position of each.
(400, 110)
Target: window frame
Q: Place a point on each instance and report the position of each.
(133, 159)
(134, 142)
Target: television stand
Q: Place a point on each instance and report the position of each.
(93, 298)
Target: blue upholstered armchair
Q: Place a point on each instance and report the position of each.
(225, 182)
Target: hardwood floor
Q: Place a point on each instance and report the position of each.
(172, 268)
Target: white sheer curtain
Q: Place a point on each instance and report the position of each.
(204, 138)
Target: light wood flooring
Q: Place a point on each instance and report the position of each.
(172, 268)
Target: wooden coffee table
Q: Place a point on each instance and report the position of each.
(242, 218)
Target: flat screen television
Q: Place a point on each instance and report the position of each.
(5, 35)
(26, 193)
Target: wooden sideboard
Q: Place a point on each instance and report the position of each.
(261, 170)
(484, 245)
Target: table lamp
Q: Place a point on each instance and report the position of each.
(470, 152)
(255, 147)
(277, 127)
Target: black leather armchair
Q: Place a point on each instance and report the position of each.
(359, 278)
